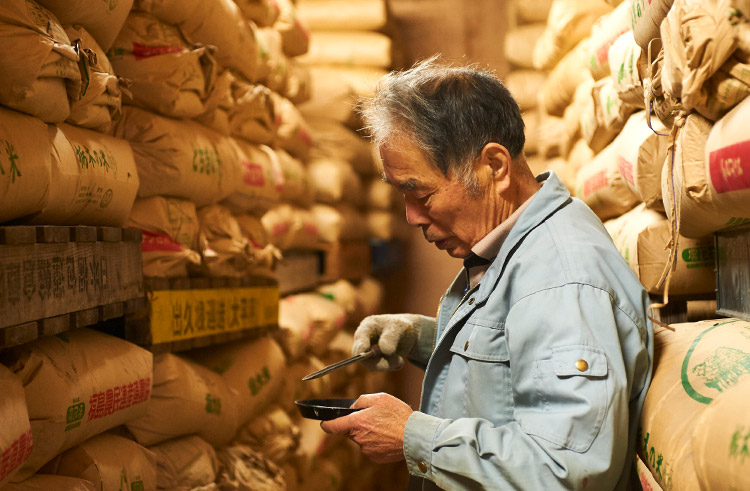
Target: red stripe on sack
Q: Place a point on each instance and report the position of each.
(595, 182)
(253, 174)
(141, 51)
(626, 168)
(729, 167)
(155, 242)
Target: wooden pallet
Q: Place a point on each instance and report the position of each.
(186, 313)
(349, 260)
(55, 278)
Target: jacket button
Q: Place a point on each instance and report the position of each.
(582, 366)
(471, 300)
(466, 346)
(422, 466)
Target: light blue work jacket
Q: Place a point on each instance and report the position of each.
(535, 379)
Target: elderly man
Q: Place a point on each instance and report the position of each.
(538, 362)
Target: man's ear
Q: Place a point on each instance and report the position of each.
(495, 161)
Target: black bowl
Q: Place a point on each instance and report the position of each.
(325, 409)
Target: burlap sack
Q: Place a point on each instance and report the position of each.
(245, 469)
(531, 125)
(98, 99)
(349, 48)
(259, 188)
(572, 114)
(296, 188)
(298, 82)
(569, 21)
(664, 106)
(187, 398)
(252, 369)
(167, 74)
(45, 482)
(341, 348)
(109, 462)
(601, 186)
(558, 165)
(648, 483)
(628, 65)
(24, 165)
(718, 442)
(112, 385)
(387, 225)
(262, 12)
(370, 294)
(39, 64)
(185, 463)
(580, 155)
(342, 222)
(528, 11)
(519, 44)
(709, 174)
(170, 235)
(379, 195)
(334, 180)
(326, 472)
(181, 159)
(16, 441)
(342, 15)
(553, 139)
(643, 241)
(290, 476)
(640, 156)
(218, 105)
(312, 445)
(272, 433)
(252, 115)
(224, 249)
(604, 116)
(646, 17)
(273, 61)
(344, 294)
(696, 364)
(334, 140)
(290, 227)
(307, 323)
(95, 179)
(218, 23)
(102, 19)
(296, 389)
(295, 34)
(565, 77)
(525, 85)
(604, 32)
(292, 133)
(266, 254)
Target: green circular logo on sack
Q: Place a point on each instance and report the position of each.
(721, 366)
(106, 199)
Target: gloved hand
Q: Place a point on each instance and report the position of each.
(395, 334)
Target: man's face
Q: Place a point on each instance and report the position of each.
(450, 216)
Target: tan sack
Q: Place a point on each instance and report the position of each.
(298, 82)
(95, 179)
(245, 469)
(528, 11)
(265, 253)
(295, 34)
(519, 44)
(296, 389)
(628, 66)
(25, 153)
(370, 293)
(333, 180)
(274, 63)
(646, 17)
(349, 48)
(710, 174)
(253, 369)
(179, 158)
(342, 222)
(525, 86)
(334, 140)
(217, 23)
(531, 125)
(339, 349)
(308, 322)
(252, 116)
(259, 188)
(601, 186)
(640, 156)
(262, 12)
(45, 482)
(296, 188)
(225, 250)
(170, 235)
(387, 225)
(109, 461)
(187, 398)
(293, 133)
(565, 77)
(344, 294)
(604, 32)
(16, 441)
(379, 195)
(218, 104)
(694, 367)
(580, 155)
(643, 243)
(721, 431)
(553, 139)
(572, 114)
(98, 99)
(168, 75)
(185, 463)
(38, 62)
(112, 386)
(343, 15)
(648, 483)
(102, 19)
(604, 116)
(569, 22)
(273, 433)
(290, 227)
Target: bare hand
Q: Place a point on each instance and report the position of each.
(378, 428)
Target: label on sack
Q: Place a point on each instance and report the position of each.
(155, 242)
(16, 454)
(730, 167)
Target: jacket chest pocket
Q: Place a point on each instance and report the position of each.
(478, 379)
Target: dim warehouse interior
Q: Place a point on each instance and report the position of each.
(197, 212)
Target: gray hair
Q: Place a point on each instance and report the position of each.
(451, 113)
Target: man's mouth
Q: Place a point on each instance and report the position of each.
(442, 244)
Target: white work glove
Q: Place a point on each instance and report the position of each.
(395, 334)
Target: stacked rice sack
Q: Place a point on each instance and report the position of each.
(58, 96)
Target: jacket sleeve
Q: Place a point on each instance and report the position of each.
(572, 353)
(422, 350)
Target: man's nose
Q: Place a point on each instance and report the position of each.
(415, 213)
